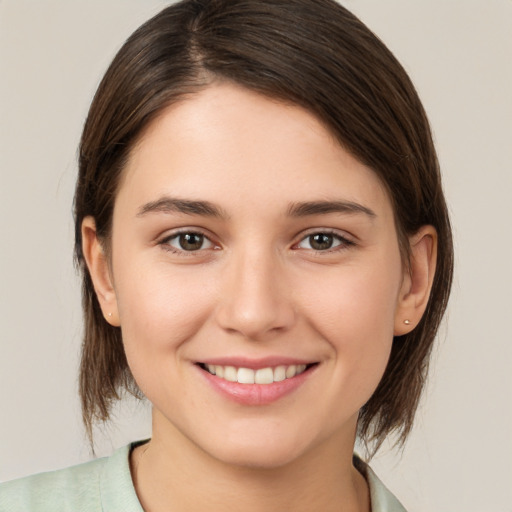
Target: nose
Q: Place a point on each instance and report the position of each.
(256, 301)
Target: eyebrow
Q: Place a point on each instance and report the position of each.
(176, 205)
(207, 209)
(305, 209)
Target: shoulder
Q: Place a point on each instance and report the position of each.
(382, 500)
(67, 489)
(103, 484)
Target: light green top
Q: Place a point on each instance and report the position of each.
(106, 485)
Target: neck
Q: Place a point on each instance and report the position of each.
(172, 473)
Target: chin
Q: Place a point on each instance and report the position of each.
(259, 450)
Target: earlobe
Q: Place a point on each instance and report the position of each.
(97, 263)
(418, 279)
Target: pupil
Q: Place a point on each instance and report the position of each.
(191, 241)
(321, 241)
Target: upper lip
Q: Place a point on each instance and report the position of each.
(255, 364)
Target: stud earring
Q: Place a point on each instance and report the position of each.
(407, 322)
(110, 314)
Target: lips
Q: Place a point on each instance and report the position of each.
(256, 383)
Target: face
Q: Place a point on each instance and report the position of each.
(256, 275)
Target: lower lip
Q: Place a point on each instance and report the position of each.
(256, 394)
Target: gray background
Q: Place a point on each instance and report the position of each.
(459, 54)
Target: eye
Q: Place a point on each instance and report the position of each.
(323, 241)
(188, 241)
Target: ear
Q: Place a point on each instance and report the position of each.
(417, 281)
(99, 270)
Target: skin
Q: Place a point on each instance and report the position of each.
(256, 287)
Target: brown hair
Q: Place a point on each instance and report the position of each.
(313, 53)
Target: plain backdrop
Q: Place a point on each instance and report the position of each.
(459, 54)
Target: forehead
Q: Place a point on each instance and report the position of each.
(229, 144)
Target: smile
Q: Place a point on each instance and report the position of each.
(267, 375)
(251, 382)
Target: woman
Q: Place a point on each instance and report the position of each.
(266, 256)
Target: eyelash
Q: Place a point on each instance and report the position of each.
(165, 243)
(344, 242)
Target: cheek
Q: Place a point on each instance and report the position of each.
(354, 311)
(159, 311)
(353, 300)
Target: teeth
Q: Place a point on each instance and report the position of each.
(245, 376)
(230, 373)
(279, 373)
(291, 371)
(262, 376)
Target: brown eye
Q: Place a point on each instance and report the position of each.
(189, 241)
(321, 241)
